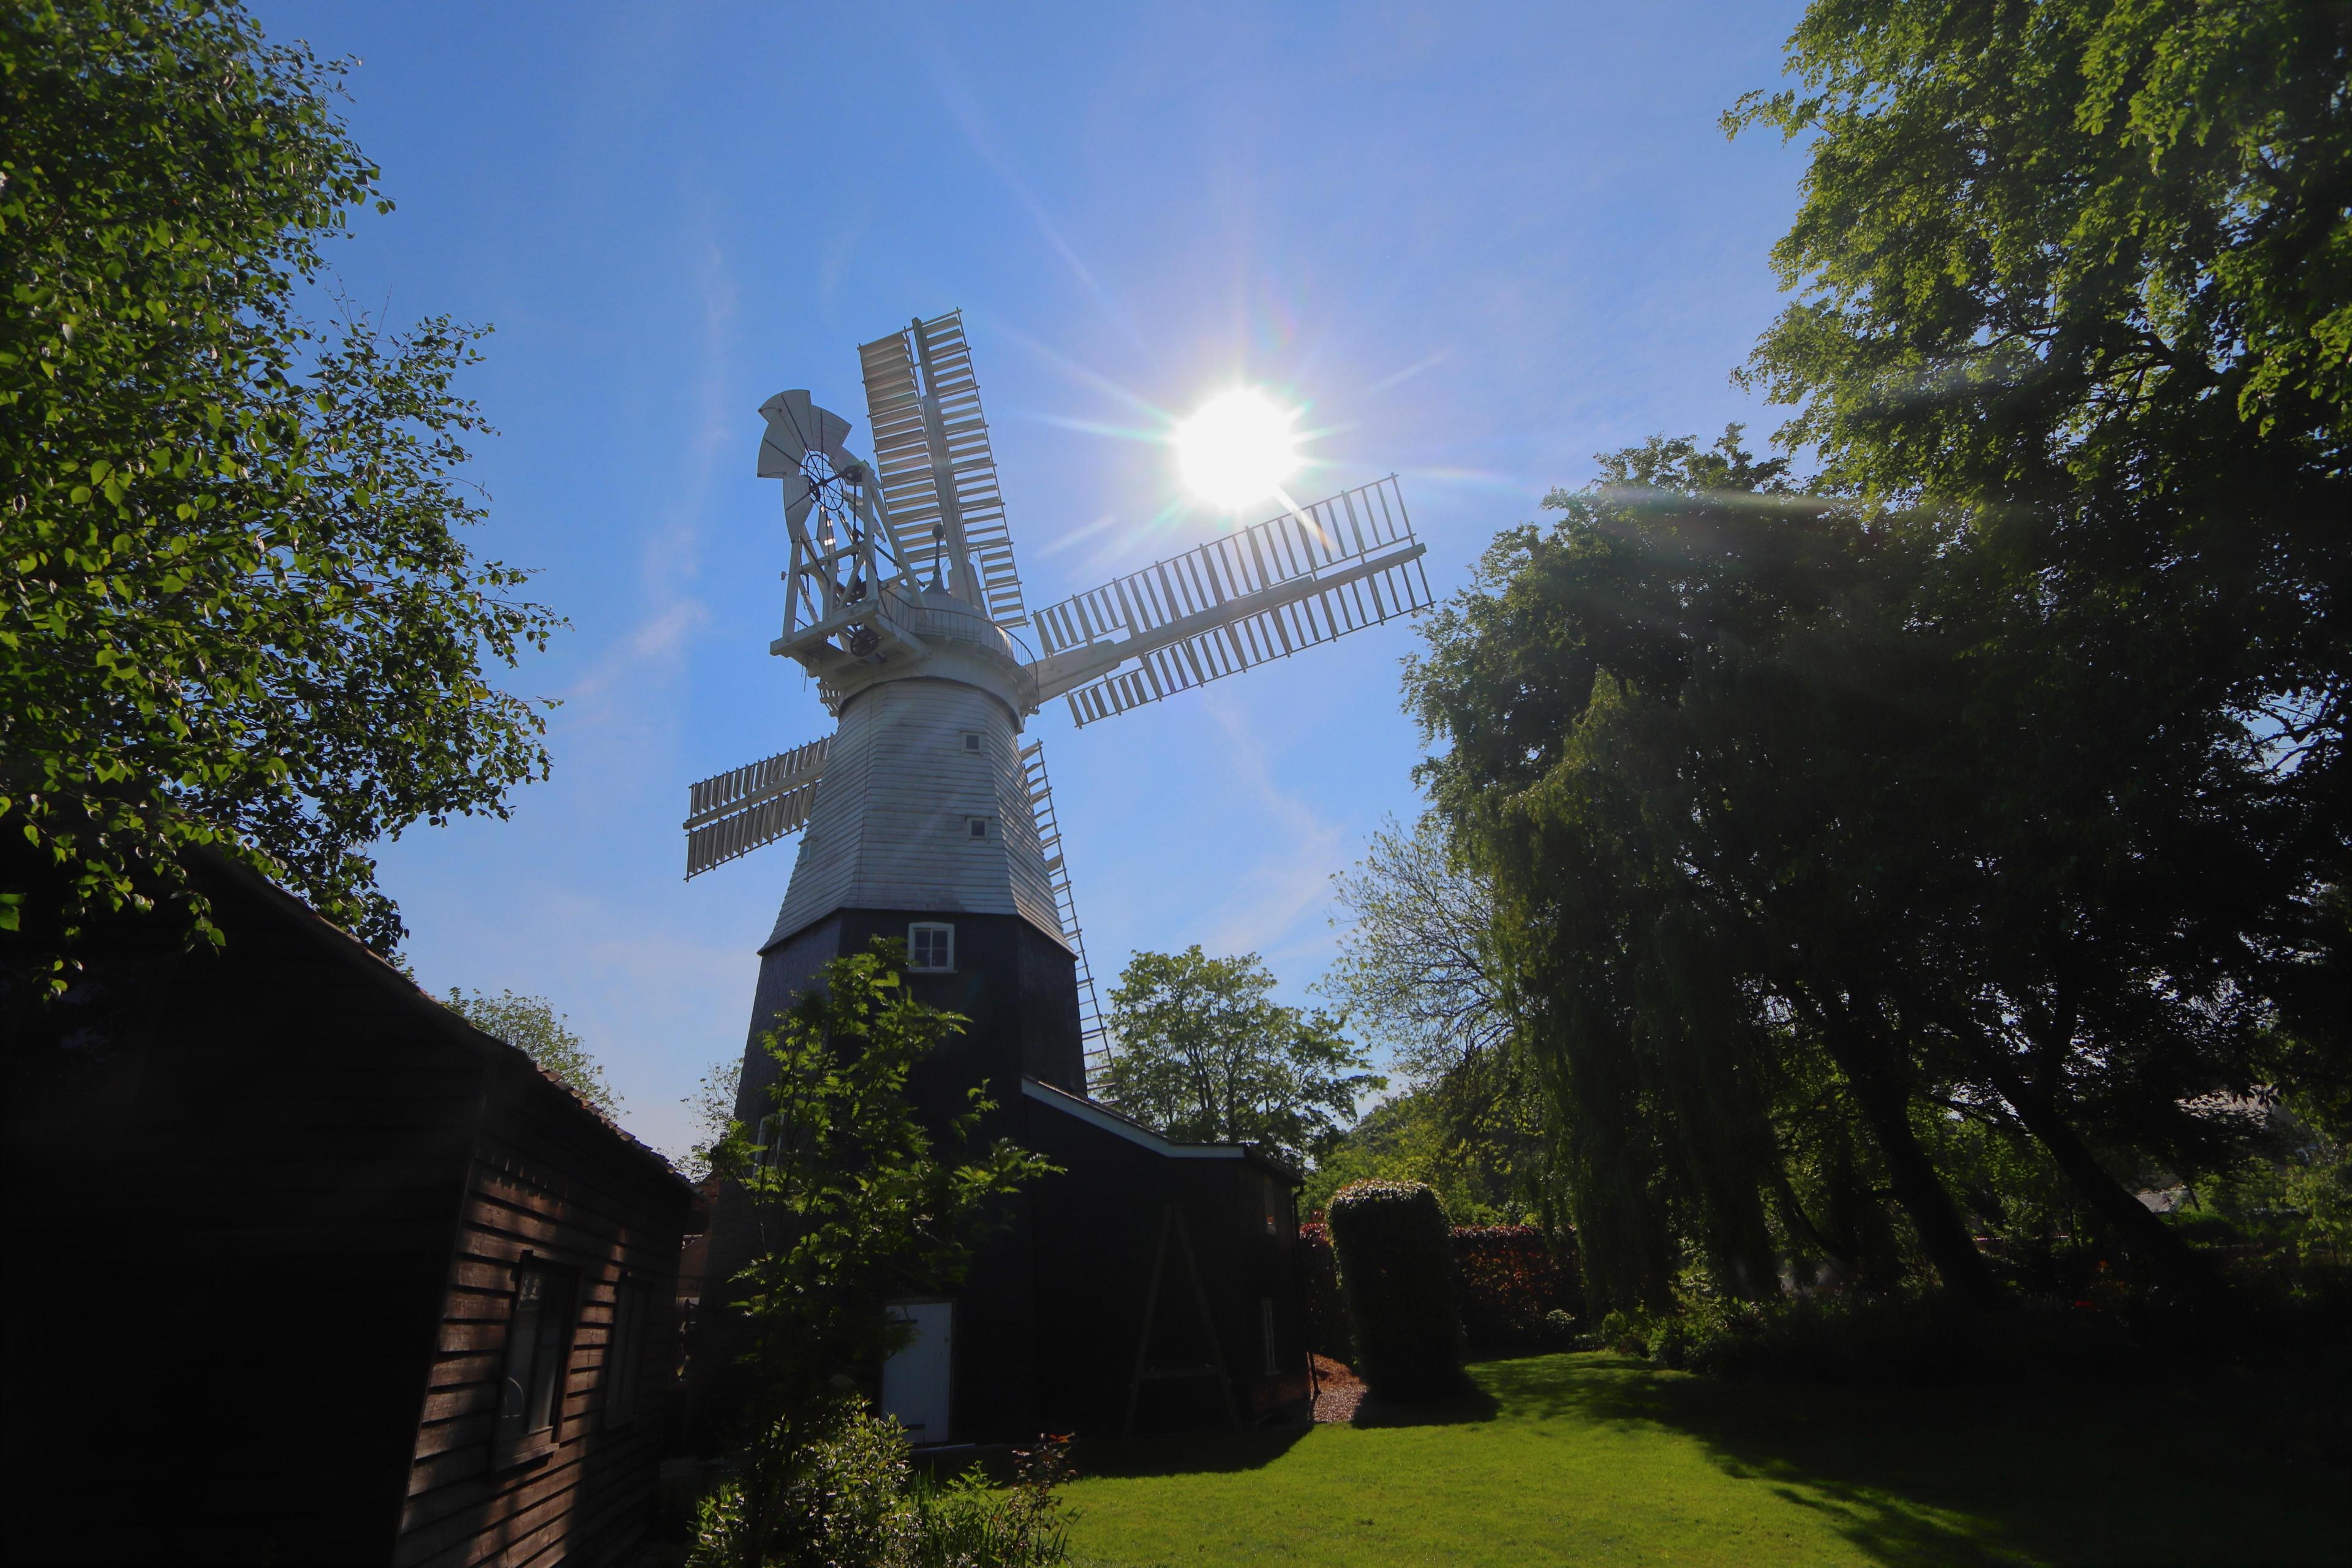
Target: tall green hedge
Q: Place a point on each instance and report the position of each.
(1396, 1275)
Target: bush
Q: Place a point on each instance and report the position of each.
(1326, 1314)
(970, 1524)
(1516, 1293)
(1396, 1275)
(1511, 1284)
(839, 1498)
(846, 1500)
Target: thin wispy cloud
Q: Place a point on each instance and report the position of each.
(964, 110)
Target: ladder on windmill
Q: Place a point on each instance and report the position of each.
(1094, 1039)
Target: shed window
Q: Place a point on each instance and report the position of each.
(930, 947)
(537, 1339)
(624, 1350)
(1265, 1331)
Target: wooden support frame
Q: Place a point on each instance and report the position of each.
(1172, 1219)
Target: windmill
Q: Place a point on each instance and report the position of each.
(925, 816)
(903, 600)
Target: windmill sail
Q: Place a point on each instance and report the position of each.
(1304, 578)
(938, 473)
(738, 811)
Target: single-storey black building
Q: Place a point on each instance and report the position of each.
(303, 1267)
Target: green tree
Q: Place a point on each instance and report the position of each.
(1483, 1153)
(854, 1203)
(2074, 279)
(1417, 972)
(532, 1026)
(235, 608)
(1760, 805)
(713, 1105)
(2075, 286)
(1415, 964)
(1206, 1055)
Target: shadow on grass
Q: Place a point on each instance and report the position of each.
(1981, 1473)
(1187, 1453)
(1473, 1405)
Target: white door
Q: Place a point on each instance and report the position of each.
(915, 1381)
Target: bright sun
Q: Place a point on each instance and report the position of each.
(1237, 449)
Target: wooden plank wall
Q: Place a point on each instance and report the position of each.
(890, 827)
(228, 1279)
(542, 1185)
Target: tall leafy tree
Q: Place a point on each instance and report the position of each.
(1657, 715)
(235, 608)
(1414, 963)
(2075, 284)
(1205, 1053)
(1417, 972)
(532, 1026)
(2076, 278)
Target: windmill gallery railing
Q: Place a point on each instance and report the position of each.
(1260, 594)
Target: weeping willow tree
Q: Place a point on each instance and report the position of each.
(1664, 716)
(1651, 1070)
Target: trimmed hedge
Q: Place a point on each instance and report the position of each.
(1396, 1275)
(1514, 1289)
(1511, 1280)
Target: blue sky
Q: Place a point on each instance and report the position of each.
(1477, 244)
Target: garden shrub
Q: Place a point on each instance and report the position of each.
(967, 1524)
(1627, 1334)
(1396, 1275)
(847, 1500)
(1516, 1293)
(1326, 1314)
(1511, 1283)
(836, 1498)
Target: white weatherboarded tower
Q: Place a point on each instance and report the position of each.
(924, 816)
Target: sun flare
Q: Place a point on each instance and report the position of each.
(1238, 448)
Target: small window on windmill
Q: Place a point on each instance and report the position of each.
(930, 949)
(970, 740)
(976, 826)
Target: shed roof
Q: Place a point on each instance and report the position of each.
(1095, 1114)
(354, 956)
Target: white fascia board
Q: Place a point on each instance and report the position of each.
(1094, 1115)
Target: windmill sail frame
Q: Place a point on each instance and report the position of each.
(732, 814)
(1296, 581)
(938, 471)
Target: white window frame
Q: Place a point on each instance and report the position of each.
(945, 967)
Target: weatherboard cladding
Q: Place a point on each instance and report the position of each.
(891, 826)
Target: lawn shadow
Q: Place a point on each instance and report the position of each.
(1187, 1453)
(1473, 1405)
(1979, 1473)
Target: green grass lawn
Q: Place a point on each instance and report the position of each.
(1599, 1460)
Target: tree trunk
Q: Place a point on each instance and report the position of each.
(2144, 1235)
(1885, 1110)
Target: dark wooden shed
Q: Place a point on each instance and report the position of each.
(304, 1268)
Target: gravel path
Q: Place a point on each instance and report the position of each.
(1342, 1391)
